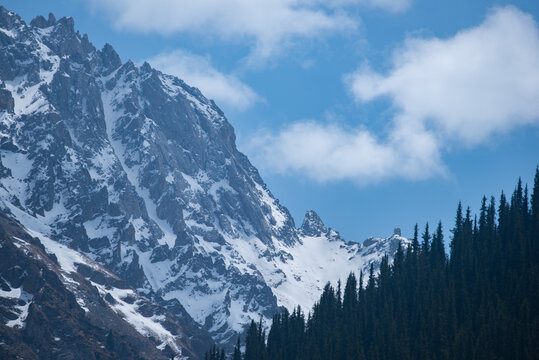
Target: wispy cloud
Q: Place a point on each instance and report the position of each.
(457, 91)
(390, 5)
(198, 71)
(267, 26)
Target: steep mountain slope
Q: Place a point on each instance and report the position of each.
(140, 172)
(55, 302)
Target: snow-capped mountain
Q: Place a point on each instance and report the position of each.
(139, 172)
(57, 303)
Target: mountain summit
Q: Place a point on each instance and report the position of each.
(140, 173)
(312, 225)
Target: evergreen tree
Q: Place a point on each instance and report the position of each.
(426, 239)
(237, 351)
(480, 303)
(437, 247)
(350, 294)
(255, 346)
(415, 240)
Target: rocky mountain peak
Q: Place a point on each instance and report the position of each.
(8, 19)
(312, 224)
(140, 172)
(42, 23)
(110, 58)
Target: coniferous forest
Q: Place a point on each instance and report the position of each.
(481, 302)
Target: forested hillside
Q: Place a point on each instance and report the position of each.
(482, 302)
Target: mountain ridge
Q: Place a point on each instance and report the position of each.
(58, 302)
(140, 172)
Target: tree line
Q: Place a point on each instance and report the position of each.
(481, 302)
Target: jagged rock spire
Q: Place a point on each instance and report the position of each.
(312, 225)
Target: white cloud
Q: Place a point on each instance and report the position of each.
(267, 24)
(330, 152)
(458, 91)
(390, 5)
(198, 71)
(482, 81)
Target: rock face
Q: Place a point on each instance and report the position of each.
(312, 225)
(140, 172)
(64, 305)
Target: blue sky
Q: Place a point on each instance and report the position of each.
(374, 113)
